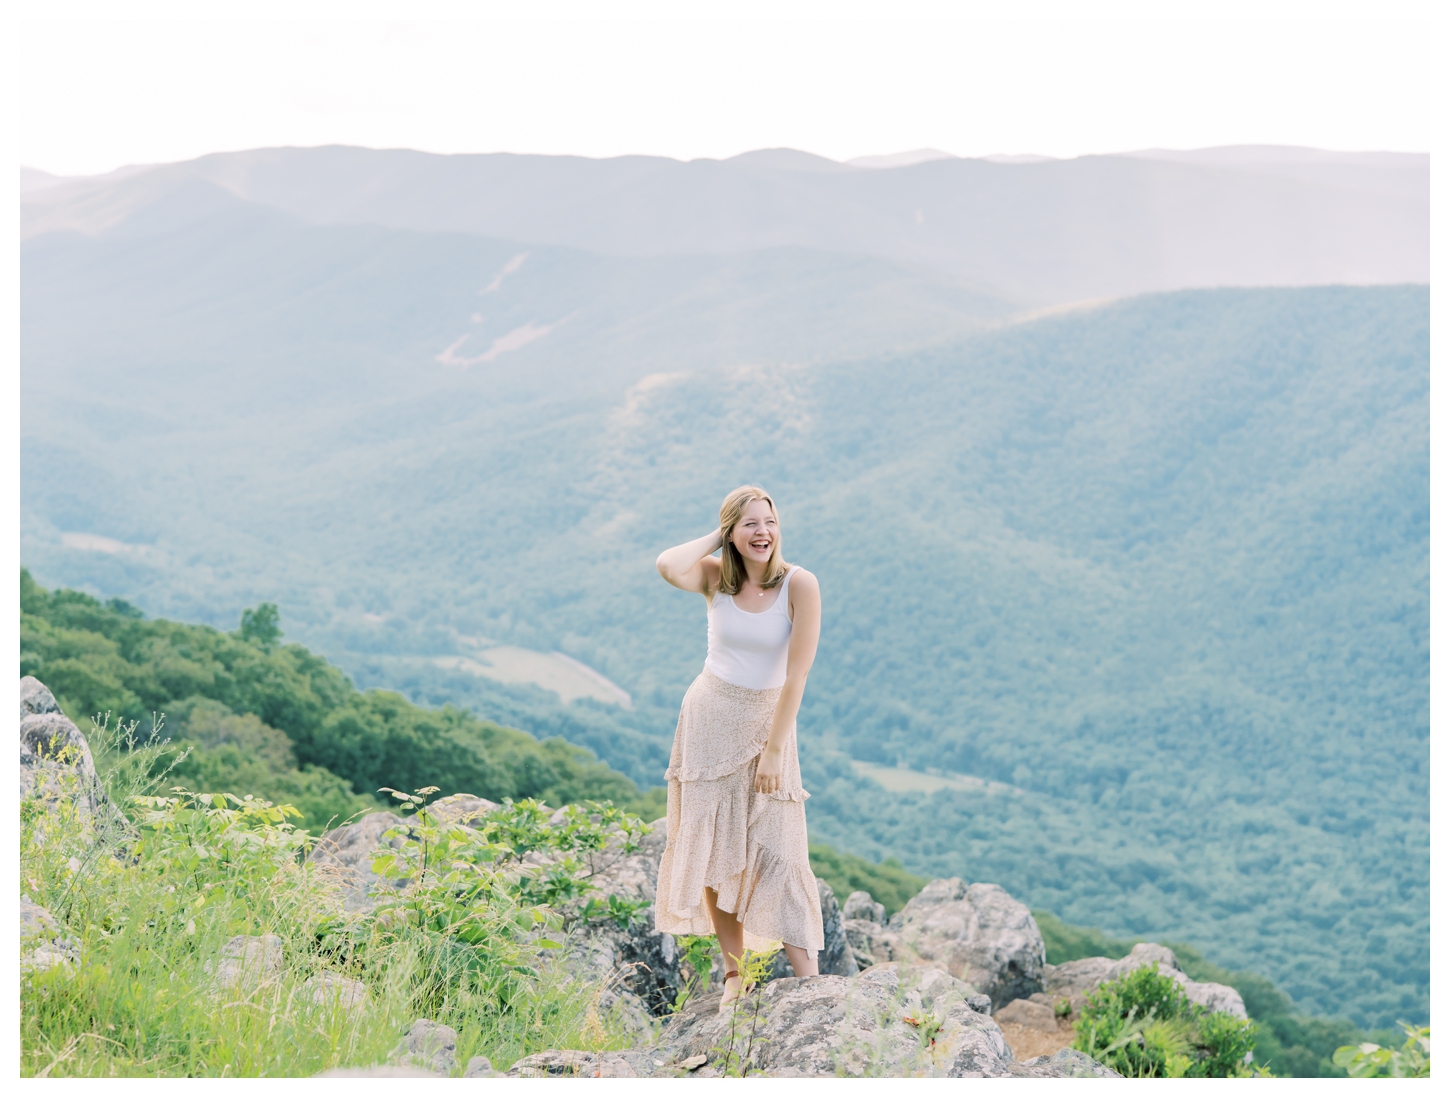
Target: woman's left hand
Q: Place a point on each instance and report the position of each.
(767, 770)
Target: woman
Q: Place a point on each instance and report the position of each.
(735, 856)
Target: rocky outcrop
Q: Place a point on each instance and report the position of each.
(976, 932)
(347, 854)
(246, 961)
(429, 1045)
(860, 905)
(1066, 1063)
(571, 1063)
(1075, 980)
(55, 760)
(646, 961)
(911, 1015)
(895, 1019)
(42, 945)
(890, 1020)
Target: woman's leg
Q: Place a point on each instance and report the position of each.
(731, 936)
(801, 962)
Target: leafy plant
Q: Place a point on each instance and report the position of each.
(697, 958)
(1142, 1025)
(738, 1056)
(1369, 1061)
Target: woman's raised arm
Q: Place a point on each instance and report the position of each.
(690, 566)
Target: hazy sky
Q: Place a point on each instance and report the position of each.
(95, 95)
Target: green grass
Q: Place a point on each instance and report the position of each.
(152, 914)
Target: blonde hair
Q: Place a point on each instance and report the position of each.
(732, 567)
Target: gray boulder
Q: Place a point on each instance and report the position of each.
(347, 854)
(646, 962)
(871, 942)
(894, 1019)
(56, 765)
(246, 961)
(429, 1045)
(860, 905)
(836, 957)
(42, 944)
(978, 933)
(330, 989)
(461, 808)
(1075, 978)
(1216, 998)
(36, 698)
(571, 1063)
(1065, 1063)
(479, 1067)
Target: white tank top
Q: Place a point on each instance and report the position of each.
(748, 649)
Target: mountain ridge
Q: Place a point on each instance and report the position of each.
(1043, 232)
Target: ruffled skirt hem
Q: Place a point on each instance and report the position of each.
(776, 901)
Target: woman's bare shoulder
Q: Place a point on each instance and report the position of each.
(802, 580)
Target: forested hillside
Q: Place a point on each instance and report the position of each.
(248, 714)
(1155, 572)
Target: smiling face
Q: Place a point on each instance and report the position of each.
(756, 534)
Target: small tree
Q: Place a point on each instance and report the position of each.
(261, 626)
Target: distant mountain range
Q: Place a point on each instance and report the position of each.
(1044, 231)
(1155, 570)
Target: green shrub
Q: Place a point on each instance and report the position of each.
(1368, 1060)
(1143, 1026)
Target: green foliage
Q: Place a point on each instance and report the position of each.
(1143, 1026)
(887, 881)
(261, 626)
(446, 864)
(192, 839)
(1369, 1061)
(158, 988)
(697, 958)
(736, 1058)
(282, 723)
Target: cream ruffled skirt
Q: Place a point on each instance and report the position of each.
(749, 847)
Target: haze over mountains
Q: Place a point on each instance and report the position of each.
(1045, 232)
(1157, 567)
